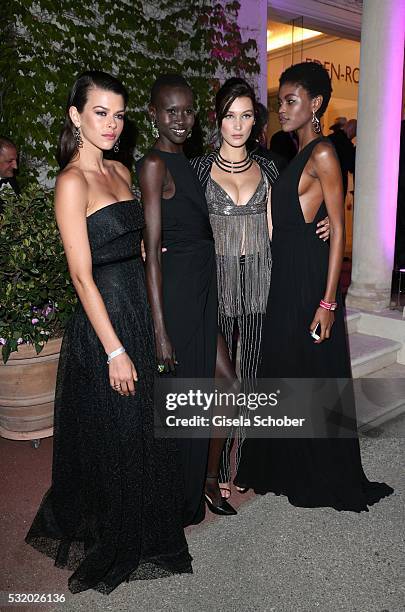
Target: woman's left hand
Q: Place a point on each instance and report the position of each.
(326, 319)
(323, 229)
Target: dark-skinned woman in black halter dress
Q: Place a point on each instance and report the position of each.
(181, 281)
(304, 297)
(114, 511)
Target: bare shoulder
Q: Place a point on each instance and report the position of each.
(153, 167)
(324, 151)
(120, 169)
(71, 189)
(325, 160)
(154, 161)
(71, 177)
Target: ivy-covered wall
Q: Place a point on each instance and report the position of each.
(46, 43)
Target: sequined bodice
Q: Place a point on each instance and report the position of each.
(241, 231)
(221, 203)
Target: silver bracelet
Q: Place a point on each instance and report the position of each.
(115, 353)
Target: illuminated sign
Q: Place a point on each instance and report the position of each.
(338, 71)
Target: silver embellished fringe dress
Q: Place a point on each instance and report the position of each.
(243, 257)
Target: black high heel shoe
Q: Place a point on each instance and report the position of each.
(224, 508)
(241, 490)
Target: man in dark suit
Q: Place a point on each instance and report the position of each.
(258, 142)
(8, 164)
(345, 149)
(284, 144)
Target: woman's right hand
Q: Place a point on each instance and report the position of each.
(165, 353)
(123, 375)
(143, 251)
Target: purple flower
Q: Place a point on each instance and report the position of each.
(34, 321)
(3, 341)
(48, 309)
(20, 341)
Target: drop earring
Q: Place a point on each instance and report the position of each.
(117, 146)
(78, 138)
(155, 131)
(316, 124)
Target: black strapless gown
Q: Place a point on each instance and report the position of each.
(190, 305)
(114, 510)
(311, 472)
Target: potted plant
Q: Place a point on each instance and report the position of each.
(36, 299)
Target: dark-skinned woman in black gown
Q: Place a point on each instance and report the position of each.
(181, 281)
(304, 297)
(114, 510)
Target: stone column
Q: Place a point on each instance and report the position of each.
(378, 131)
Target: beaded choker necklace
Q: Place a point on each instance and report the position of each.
(233, 167)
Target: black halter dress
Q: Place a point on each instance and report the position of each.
(190, 305)
(311, 472)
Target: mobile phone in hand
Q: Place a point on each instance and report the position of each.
(315, 333)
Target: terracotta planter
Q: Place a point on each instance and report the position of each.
(27, 392)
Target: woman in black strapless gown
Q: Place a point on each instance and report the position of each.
(114, 510)
(311, 472)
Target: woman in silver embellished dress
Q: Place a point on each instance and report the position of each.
(237, 187)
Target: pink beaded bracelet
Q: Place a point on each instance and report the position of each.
(328, 305)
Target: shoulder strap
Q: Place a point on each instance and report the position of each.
(306, 152)
(267, 166)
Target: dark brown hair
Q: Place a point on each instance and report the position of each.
(67, 147)
(232, 88)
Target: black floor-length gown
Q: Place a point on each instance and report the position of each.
(311, 472)
(190, 305)
(114, 510)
